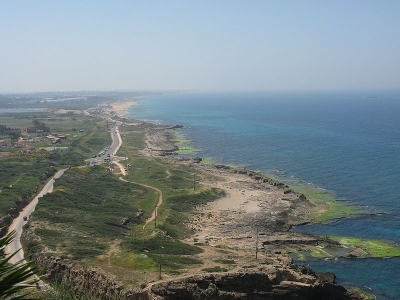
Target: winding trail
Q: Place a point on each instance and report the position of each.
(22, 219)
(160, 194)
(160, 199)
(123, 172)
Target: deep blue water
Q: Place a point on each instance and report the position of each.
(345, 142)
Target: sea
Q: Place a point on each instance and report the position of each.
(344, 142)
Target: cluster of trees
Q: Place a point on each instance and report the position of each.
(8, 130)
(38, 124)
(15, 133)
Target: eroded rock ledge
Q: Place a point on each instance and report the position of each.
(265, 282)
(268, 282)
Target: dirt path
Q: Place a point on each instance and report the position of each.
(160, 197)
(160, 200)
(121, 167)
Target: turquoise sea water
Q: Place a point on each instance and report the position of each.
(345, 142)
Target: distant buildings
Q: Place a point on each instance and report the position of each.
(42, 133)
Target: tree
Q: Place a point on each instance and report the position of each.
(37, 123)
(2, 129)
(16, 280)
(14, 136)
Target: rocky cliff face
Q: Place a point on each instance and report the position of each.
(269, 282)
(272, 282)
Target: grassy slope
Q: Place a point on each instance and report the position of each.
(82, 218)
(86, 211)
(22, 174)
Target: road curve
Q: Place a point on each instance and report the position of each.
(123, 172)
(19, 221)
(116, 140)
(160, 199)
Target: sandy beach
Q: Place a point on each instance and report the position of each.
(254, 213)
(121, 107)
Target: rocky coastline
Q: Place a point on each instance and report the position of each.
(254, 217)
(267, 282)
(273, 281)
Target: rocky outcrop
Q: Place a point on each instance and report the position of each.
(269, 282)
(174, 126)
(294, 238)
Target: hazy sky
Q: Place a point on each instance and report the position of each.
(201, 45)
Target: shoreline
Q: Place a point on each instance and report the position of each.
(254, 217)
(245, 208)
(243, 198)
(120, 108)
(227, 223)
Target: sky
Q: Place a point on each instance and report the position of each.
(211, 45)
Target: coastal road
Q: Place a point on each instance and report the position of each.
(116, 140)
(109, 153)
(19, 222)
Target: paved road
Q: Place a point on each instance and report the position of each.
(19, 222)
(116, 143)
(116, 140)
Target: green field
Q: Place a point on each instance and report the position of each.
(25, 170)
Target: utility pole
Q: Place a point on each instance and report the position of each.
(159, 261)
(194, 182)
(256, 240)
(155, 217)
